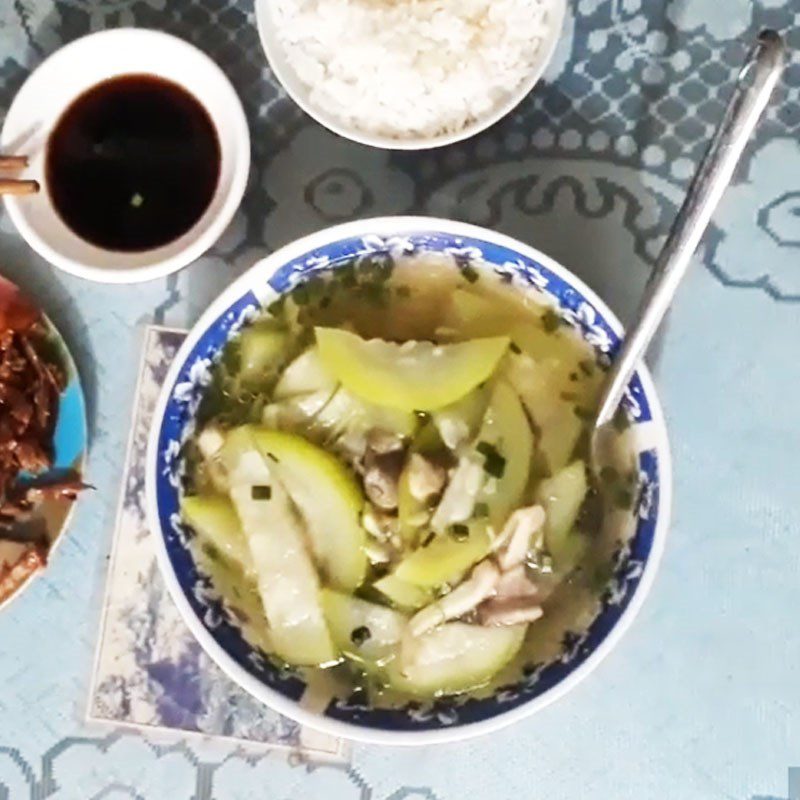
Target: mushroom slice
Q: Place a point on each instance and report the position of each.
(466, 596)
(516, 583)
(425, 478)
(512, 545)
(381, 442)
(509, 611)
(380, 487)
(458, 501)
(383, 463)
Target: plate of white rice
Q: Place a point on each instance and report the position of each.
(408, 74)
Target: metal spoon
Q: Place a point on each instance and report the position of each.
(749, 99)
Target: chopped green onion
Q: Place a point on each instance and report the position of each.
(261, 492)
(360, 635)
(276, 306)
(470, 273)
(211, 551)
(623, 498)
(620, 421)
(551, 320)
(459, 532)
(373, 293)
(585, 414)
(587, 368)
(514, 348)
(347, 275)
(481, 510)
(378, 267)
(430, 536)
(609, 475)
(300, 295)
(494, 464)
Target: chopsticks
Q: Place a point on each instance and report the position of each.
(16, 186)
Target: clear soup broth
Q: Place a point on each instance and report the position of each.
(388, 481)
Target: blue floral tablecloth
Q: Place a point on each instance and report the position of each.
(702, 698)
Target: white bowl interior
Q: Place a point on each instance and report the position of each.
(58, 82)
(300, 93)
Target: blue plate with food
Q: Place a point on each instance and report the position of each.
(368, 480)
(42, 439)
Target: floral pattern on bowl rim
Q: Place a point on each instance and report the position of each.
(204, 611)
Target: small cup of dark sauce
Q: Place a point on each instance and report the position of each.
(133, 163)
(141, 170)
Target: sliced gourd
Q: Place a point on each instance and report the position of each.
(569, 551)
(216, 523)
(262, 348)
(366, 632)
(240, 461)
(415, 375)
(402, 594)
(305, 375)
(329, 500)
(427, 439)
(412, 513)
(455, 657)
(287, 581)
(338, 420)
(551, 399)
(484, 314)
(210, 442)
(242, 597)
(445, 558)
(539, 343)
(348, 415)
(494, 470)
(477, 315)
(561, 497)
(505, 446)
(298, 411)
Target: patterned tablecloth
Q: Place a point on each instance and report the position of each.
(702, 698)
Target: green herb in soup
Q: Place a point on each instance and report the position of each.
(388, 484)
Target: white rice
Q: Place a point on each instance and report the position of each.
(408, 68)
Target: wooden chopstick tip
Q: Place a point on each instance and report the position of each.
(13, 162)
(14, 187)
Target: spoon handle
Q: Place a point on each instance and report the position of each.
(748, 101)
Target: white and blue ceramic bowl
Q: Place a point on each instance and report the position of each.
(205, 615)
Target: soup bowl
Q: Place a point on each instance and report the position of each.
(205, 614)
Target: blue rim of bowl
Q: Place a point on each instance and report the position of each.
(192, 589)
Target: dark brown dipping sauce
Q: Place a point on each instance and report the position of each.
(133, 163)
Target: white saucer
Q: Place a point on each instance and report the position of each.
(68, 73)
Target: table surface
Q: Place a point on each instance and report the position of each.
(702, 697)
